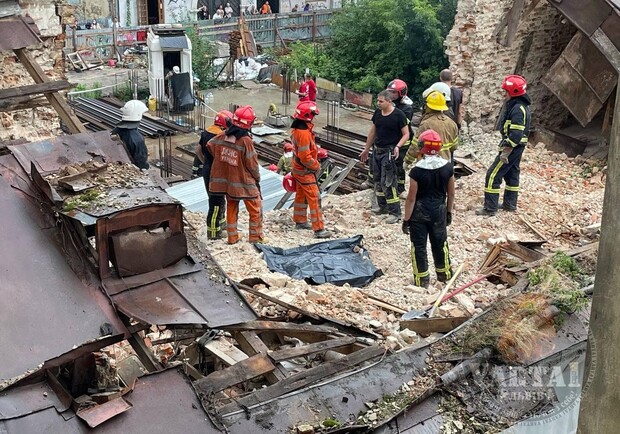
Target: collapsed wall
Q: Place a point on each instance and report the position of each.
(43, 121)
(480, 60)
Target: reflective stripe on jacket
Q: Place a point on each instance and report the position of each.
(442, 124)
(305, 155)
(517, 120)
(235, 169)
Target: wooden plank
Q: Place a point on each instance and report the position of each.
(305, 378)
(35, 89)
(245, 370)
(252, 345)
(529, 225)
(522, 252)
(279, 327)
(71, 121)
(514, 17)
(22, 103)
(426, 326)
(225, 351)
(192, 372)
(306, 350)
(383, 304)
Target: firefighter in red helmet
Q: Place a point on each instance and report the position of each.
(304, 170)
(515, 128)
(428, 209)
(286, 160)
(235, 173)
(398, 89)
(217, 202)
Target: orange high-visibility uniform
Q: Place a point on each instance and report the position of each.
(235, 172)
(305, 166)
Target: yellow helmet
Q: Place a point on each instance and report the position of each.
(436, 101)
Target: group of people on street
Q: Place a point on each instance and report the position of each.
(394, 150)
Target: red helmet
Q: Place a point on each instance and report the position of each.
(322, 153)
(288, 147)
(244, 117)
(429, 142)
(514, 84)
(222, 117)
(273, 168)
(289, 183)
(306, 111)
(398, 86)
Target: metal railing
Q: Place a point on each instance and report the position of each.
(268, 30)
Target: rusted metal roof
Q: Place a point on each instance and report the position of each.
(161, 403)
(18, 32)
(46, 309)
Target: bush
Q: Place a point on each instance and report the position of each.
(202, 56)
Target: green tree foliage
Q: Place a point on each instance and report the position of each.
(375, 41)
(202, 54)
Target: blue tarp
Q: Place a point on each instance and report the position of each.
(335, 261)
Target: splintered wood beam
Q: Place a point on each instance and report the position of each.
(306, 350)
(514, 16)
(245, 370)
(303, 379)
(22, 103)
(66, 115)
(279, 327)
(35, 89)
(251, 344)
(225, 351)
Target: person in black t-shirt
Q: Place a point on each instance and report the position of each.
(456, 97)
(389, 132)
(216, 217)
(428, 210)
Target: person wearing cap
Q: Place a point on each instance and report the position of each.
(428, 209)
(236, 173)
(127, 131)
(435, 118)
(515, 128)
(286, 160)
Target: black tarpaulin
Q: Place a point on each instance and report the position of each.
(335, 261)
(182, 92)
(168, 42)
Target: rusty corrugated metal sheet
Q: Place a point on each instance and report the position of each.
(52, 154)
(163, 403)
(18, 32)
(46, 309)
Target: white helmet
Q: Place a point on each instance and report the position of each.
(132, 111)
(440, 87)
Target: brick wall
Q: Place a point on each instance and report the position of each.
(40, 122)
(480, 62)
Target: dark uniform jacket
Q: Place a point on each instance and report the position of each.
(516, 123)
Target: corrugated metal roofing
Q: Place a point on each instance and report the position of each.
(18, 32)
(193, 196)
(163, 403)
(46, 309)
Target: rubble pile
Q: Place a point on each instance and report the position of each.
(560, 198)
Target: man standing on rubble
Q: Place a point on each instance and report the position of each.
(389, 132)
(435, 118)
(305, 170)
(399, 89)
(127, 131)
(428, 210)
(456, 97)
(235, 173)
(217, 202)
(515, 128)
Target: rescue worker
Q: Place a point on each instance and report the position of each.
(305, 168)
(326, 165)
(515, 128)
(389, 132)
(127, 131)
(399, 90)
(217, 202)
(428, 210)
(235, 172)
(446, 91)
(434, 118)
(286, 160)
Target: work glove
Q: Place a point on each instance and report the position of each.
(405, 227)
(448, 218)
(505, 154)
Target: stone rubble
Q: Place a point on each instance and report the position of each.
(560, 197)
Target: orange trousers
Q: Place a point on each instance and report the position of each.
(307, 195)
(254, 207)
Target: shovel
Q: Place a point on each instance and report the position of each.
(414, 314)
